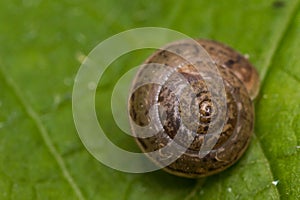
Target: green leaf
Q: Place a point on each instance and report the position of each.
(42, 42)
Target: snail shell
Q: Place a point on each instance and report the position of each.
(161, 112)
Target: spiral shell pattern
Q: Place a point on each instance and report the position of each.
(170, 102)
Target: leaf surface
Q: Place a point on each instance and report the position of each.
(42, 42)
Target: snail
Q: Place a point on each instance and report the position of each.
(174, 99)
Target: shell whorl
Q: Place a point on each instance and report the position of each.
(193, 108)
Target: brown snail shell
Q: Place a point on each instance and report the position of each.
(241, 85)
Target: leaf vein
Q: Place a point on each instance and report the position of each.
(199, 184)
(291, 75)
(44, 133)
(267, 66)
(276, 45)
(267, 164)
